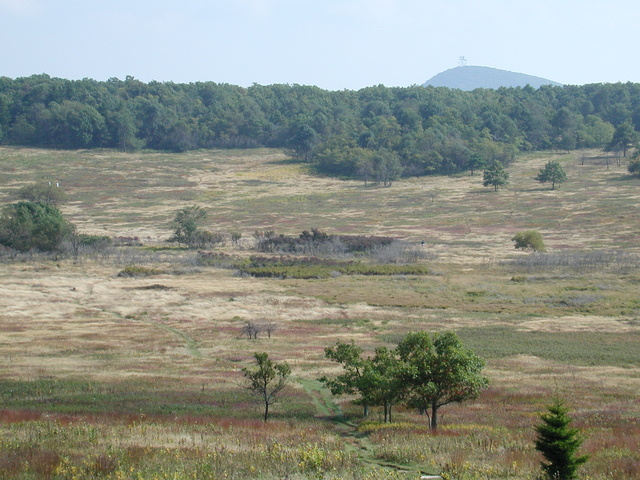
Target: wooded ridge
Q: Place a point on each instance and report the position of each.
(416, 130)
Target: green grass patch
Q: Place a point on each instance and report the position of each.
(577, 348)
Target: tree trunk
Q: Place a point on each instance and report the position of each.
(365, 411)
(434, 416)
(387, 412)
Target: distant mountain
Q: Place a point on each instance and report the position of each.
(470, 77)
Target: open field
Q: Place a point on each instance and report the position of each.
(115, 377)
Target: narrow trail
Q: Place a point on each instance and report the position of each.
(356, 442)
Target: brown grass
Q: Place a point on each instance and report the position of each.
(66, 320)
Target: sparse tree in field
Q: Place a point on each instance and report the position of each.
(439, 370)
(495, 176)
(350, 381)
(382, 380)
(28, 226)
(267, 380)
(559, 443)
(43, 192)
(375, 379)
(251, 330)
(552, 173)
(428, 372)
(235, 237)
(529, 240)
(186, 226)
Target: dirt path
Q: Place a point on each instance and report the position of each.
(357, 443)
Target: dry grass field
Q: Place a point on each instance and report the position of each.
(105, 376)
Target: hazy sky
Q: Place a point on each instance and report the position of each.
(334, 44)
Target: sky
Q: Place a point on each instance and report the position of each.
(333, 44)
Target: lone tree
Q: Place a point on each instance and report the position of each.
(634, 166)
(28, 226)
(439, 370)
(267, 380)
(529, 240)
(552, 173)
(495, 176)
(559, 443)
(186, 226)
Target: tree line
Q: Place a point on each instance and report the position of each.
(375, 133)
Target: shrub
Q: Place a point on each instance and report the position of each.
(28, 226)
(138, 271)
(43, 193)
(529, 240)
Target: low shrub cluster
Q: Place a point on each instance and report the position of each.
(138, 271)
(315, 241)
(580, 261)
(304, 267)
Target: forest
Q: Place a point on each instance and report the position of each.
(409, 130)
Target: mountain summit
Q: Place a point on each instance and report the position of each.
(470, 77)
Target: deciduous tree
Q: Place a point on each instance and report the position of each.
(439, 370)
(529, 240)
(624, 137)
(186, 225)
(267, 380)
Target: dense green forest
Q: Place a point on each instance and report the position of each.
(375, 133)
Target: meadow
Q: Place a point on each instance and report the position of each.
(139, 376)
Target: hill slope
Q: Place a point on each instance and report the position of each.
(472, 77)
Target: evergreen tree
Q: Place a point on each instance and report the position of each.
(495, 176)
(559, 443)
(553, 173)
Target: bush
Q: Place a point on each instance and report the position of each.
(28, 226)
(529, 240)
(138, 271)
(43, 193)
(317, 242)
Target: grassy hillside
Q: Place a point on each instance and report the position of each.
(119, 377)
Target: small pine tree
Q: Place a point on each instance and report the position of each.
(552, 173)
(495, 176)
(559, 443)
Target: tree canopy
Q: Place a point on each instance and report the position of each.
(425, 371)
(429, 130)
